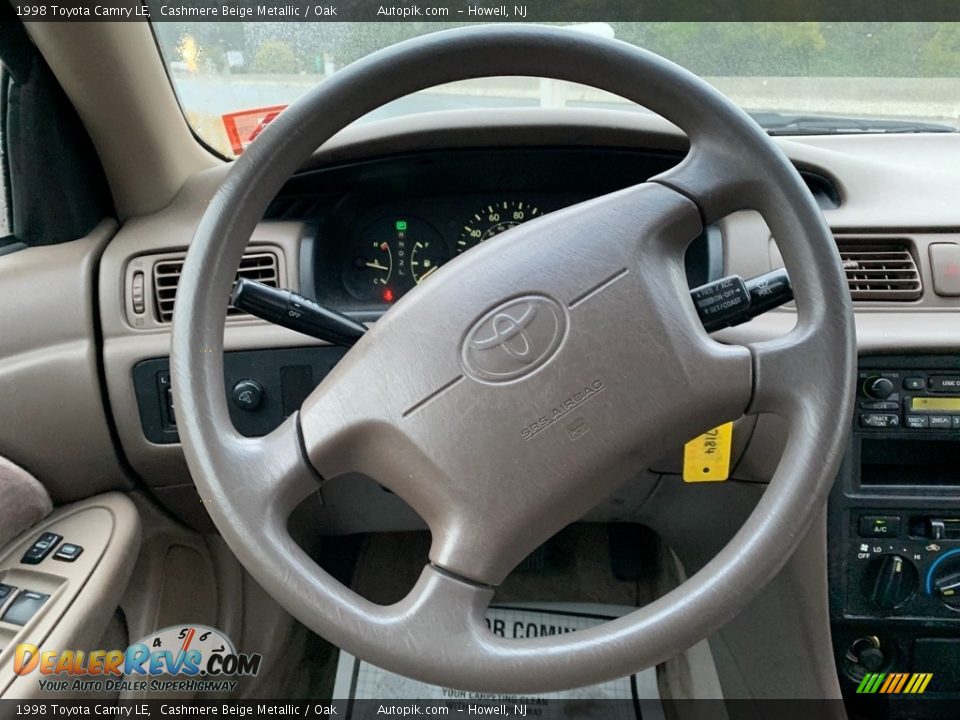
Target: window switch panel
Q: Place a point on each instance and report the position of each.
(41, 548)
(68, 552)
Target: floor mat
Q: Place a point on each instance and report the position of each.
(635, 696)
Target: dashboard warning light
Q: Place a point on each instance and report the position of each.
(388, 295)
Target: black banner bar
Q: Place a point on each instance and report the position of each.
(523, 708)
(458, 11)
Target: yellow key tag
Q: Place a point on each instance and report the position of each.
(707, 458)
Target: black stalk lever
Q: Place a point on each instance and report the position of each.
(723, 303)
(732, 300)
(293, 311)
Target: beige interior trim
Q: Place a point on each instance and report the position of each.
(52, 411)
(124, 345)
(113, 74)
(83, 593)
(25, 501)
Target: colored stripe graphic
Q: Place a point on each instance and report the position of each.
(870, 683)
(890, 683)
(899, 687)
(875, 685)
(918, 683)
(894, 683)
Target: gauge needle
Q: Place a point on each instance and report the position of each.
(429, 272)
(376, 266)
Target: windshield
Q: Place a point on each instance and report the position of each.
(795, 78)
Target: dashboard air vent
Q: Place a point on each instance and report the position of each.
(880, 269)
(259, 266)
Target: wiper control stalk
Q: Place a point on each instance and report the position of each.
(293, 311)
(723, 303)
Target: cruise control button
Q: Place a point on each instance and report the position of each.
(914, 383)
(879, 420)
(68, 552)
(879, 526)
(918, 422)
(41, 548)
(940, 422)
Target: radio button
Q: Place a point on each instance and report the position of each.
(918, 422)
(879, 405)
(878, 388)
(945, 383)
(914, 383)
(879, 420)
(940, 422)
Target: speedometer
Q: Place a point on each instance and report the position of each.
(493, 220)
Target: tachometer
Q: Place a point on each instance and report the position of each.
(493, 220)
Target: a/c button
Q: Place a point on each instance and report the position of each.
(879, 526)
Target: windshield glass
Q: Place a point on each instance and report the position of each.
(795, 78)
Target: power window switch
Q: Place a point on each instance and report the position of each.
(68, 552)
(41, 548)
(24, 606)
(5, 592)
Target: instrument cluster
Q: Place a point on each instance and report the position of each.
(399, 250)
(377, 228)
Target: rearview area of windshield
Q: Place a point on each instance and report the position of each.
(232, 78)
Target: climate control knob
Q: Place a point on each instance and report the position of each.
(891, 581)
(943, 579)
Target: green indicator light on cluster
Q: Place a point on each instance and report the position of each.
(401, 225)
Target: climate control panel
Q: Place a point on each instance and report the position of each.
(903, 565)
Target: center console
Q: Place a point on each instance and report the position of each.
(895, 538)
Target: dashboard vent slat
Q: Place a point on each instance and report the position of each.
(882, 270)
(260, 266)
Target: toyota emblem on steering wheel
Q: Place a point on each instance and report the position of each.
(514, 338)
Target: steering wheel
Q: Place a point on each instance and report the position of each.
(528, 379)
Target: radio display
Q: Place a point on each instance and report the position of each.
(935, 404)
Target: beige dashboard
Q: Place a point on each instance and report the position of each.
(890, 186)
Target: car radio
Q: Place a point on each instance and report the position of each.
(894, 526)
(909, 399)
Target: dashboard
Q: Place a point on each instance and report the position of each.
(383, 226)
(442, 170)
